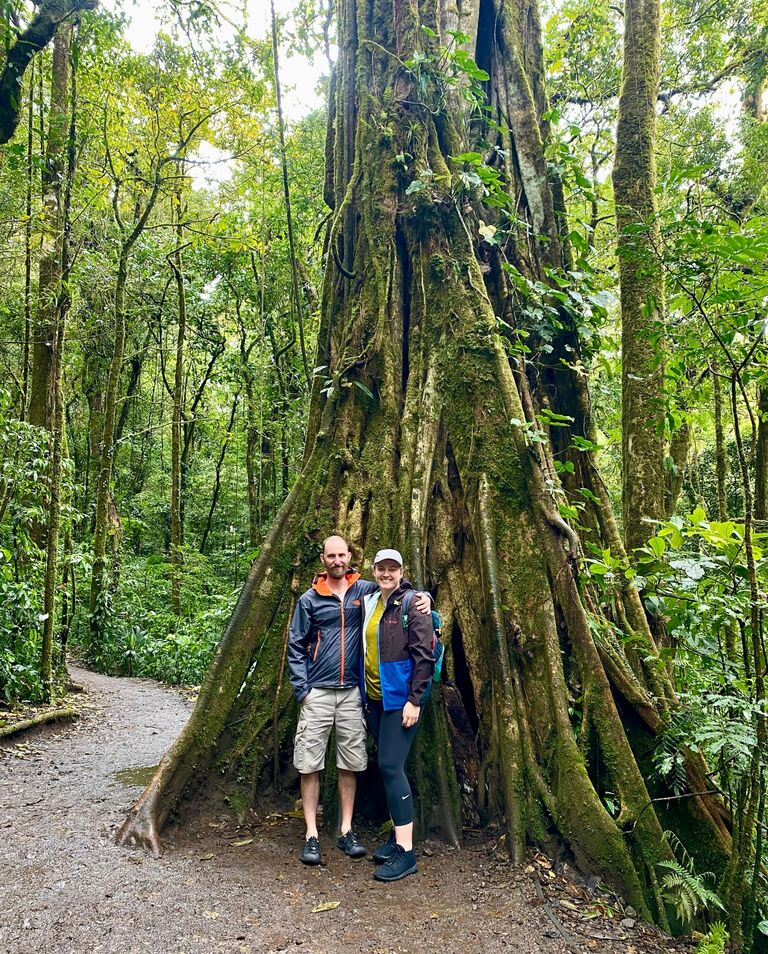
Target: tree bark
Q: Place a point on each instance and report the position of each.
(98, 598)
(175, 261)
(761, 456)
(298, 310)
(62, 47)
(421, 441)
(41, 399)
(217, 478)
(28, 252)
(50, 14)
(679, 447)
(721, 460)
(640, 274)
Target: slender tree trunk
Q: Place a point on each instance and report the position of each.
(217, 478)
(642, 289)
(761, 456)
(721, 462)
(50, 14)
(296, 297)
(98, 607)
(134, 379)
(679, 447)
(431, 451)
(61, 48)
(252, 445)
(97, 604)
(28, 250)
(49, 288)
(177, 556)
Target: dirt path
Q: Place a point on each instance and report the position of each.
(66, 888)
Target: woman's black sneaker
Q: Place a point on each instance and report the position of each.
(384, 852)
(310, 853)
(350, 845)
(401, 863)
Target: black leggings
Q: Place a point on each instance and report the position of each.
(394, 743)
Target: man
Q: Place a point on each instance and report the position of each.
(325, 665)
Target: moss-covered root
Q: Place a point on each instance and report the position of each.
(259, 601)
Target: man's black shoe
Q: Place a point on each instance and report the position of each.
(384, 852)
(310, 853)
(350, 845)
(401, 863)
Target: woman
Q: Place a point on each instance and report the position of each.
(399, 662)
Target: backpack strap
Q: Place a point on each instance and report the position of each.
(404, 604)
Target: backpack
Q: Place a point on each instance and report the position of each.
(438, 647)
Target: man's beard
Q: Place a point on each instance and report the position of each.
(337, 572)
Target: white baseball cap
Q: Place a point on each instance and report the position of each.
(388, 555)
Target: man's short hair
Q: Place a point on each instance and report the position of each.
(336, 536)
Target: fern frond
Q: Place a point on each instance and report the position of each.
(686, 891)
(715, 940)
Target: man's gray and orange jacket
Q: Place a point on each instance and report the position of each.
(326, 636)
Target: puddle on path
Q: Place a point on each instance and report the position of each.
(141, 775)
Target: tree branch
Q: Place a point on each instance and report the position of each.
(36, 37)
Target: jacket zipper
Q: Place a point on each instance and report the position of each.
(378, 651)
(342, 642)
(317, 647)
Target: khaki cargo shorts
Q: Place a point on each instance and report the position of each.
(320, 711)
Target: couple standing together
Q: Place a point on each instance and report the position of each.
(356, 654)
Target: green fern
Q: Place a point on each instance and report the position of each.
(714, 940)
(686, 891)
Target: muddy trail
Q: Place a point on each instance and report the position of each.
(67, 888)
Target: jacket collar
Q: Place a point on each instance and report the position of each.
(320, 582)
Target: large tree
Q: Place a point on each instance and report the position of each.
(445, 366)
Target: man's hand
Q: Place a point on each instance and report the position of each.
(411, 715)
(423, 602)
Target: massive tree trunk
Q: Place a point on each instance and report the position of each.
(425, 436)
(642, 287)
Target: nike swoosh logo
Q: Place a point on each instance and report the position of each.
(405, 796)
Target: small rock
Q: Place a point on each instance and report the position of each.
(630, 911)
(627, 922)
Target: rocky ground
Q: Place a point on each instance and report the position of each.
(67, 889)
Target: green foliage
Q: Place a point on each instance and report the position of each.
(714, 941)
(686, 891)
(144, 638)
(23, 454)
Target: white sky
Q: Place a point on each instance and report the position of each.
(299, 94)
(299, 77)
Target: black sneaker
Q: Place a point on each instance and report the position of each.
(401, 863)
(384, 852)
(350, 845)
(310, 853)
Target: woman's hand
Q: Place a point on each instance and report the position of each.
(411, 715)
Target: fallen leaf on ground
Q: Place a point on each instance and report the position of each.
(211, 915)
(325, 906)
(243, 841)
(207, 857)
